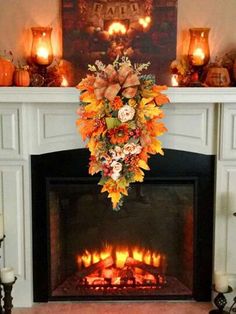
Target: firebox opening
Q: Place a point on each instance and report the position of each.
(159, 246)
(145, 249)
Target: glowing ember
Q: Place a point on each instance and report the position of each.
(117, 28)
(121, 267)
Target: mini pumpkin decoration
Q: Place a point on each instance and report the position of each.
(21, 77)
(6, 72)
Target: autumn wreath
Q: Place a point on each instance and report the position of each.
(120, 116)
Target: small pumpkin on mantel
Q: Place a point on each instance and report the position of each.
(7, 69)
(22, 77)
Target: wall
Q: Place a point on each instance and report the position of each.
(17, 16)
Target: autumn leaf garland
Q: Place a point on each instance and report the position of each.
(120, 115)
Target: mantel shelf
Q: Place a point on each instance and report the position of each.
(71, 94)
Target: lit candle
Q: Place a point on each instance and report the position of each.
(1, 227)
(64, 82)
(174, 80)
(221, 282)
(198, 57)
(7, 275)
(43, 56)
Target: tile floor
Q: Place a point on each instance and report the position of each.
(117, 308)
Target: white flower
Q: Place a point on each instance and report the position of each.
(116, 169)
(115, 176)
(132, 148)
(117, 153)
(116, 166)
(126, 113)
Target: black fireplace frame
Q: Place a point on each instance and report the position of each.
(175, 165)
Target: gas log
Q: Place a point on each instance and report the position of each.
(107, 262)
(131, 262)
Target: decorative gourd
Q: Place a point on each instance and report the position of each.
(6, 72)
(218, 77)
(21, 77)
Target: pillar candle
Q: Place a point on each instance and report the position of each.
(221, 282)
(7, 275)
(1, 226)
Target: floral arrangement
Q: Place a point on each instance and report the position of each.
(120, 116)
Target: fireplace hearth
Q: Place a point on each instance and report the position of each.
(158, 246)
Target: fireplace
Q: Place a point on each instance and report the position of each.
(158, 246)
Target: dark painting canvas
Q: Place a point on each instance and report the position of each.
(143, 30)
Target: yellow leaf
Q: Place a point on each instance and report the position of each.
(142, 164)
(95, 107)
(156, 147)
(138, 175)
(115, 198)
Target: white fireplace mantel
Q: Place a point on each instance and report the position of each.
(42, 120)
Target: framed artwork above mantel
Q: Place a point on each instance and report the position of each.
(104, 29)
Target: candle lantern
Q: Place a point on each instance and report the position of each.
(41, 50)
(199, 52)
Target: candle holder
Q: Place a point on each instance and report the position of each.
(198, 53)
(220, 301)
(41, 50)
(7, 305)
(1, 240)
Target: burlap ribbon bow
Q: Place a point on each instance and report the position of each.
(111, 82)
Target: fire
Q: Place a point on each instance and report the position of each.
(156, 259)
(106, 252)
(147, 257)
(121, 257)
(174, 80)
(145, 21)
(120, 267)
(95, 257)
(86, 259)
(64, 82)
(42, 53)
(198, 56)
(117, 28)
(138, 254)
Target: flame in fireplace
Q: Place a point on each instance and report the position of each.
(121, 267)
(117, 28)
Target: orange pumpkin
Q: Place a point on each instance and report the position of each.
(21, 77)
(6, 72)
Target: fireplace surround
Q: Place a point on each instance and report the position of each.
(181, 227)
(37, 121)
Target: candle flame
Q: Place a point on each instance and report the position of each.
(64, 82)
(42, 52)
(174, 80)
(199, 53)
(145, 21)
